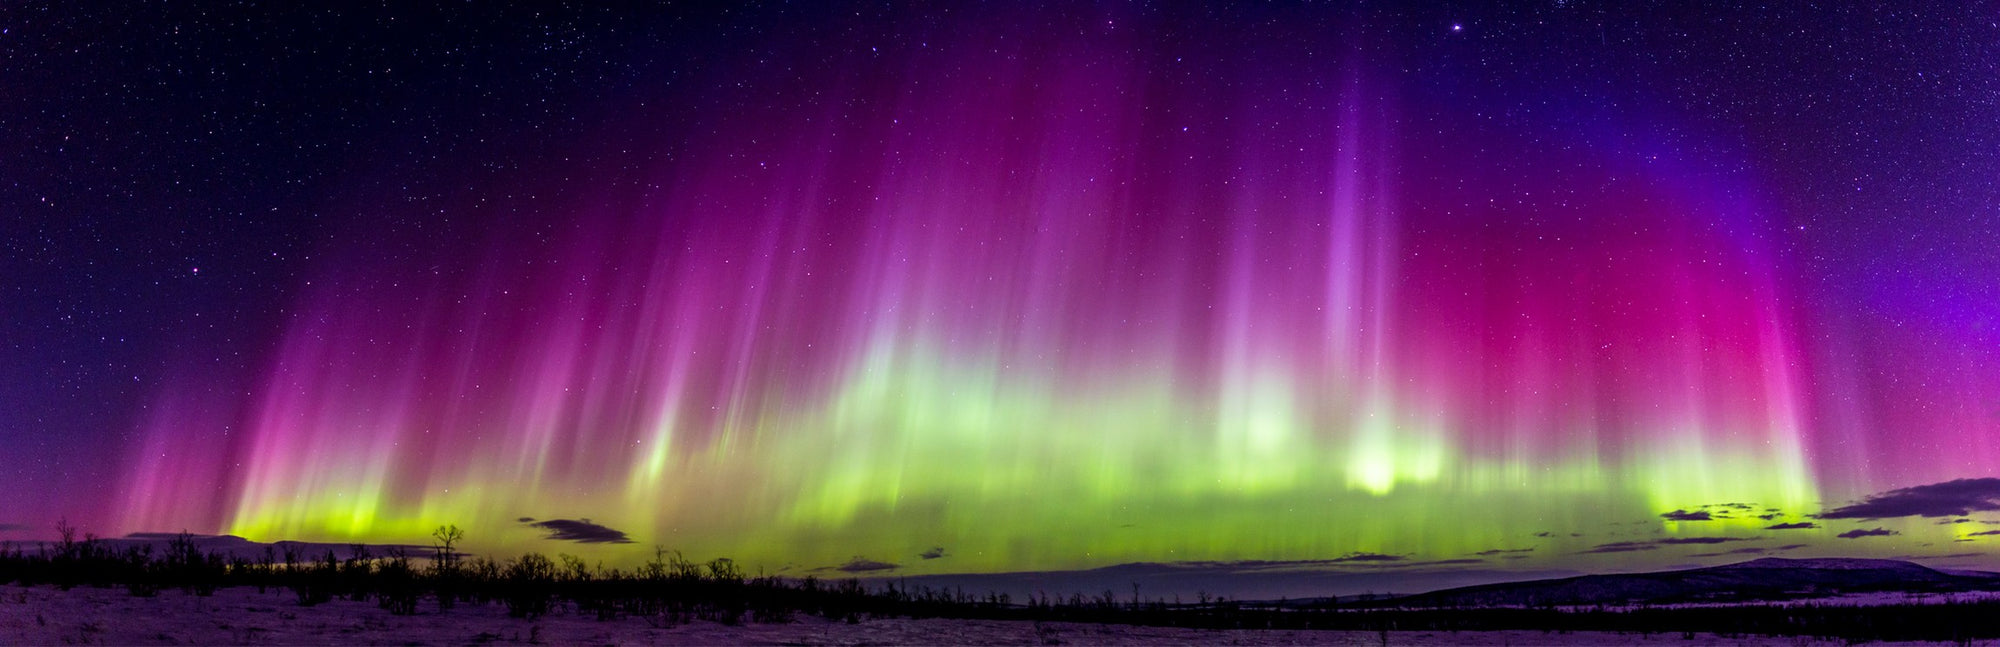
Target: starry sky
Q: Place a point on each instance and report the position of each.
(928, 290)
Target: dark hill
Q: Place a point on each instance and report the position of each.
(1769, 578)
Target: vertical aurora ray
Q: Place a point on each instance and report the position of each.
(1049, 307)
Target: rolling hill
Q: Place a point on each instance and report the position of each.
(1764, 579)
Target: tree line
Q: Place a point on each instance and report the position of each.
(670, 589)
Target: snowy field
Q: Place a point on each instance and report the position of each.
(47, 616)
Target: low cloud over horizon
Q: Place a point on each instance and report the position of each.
(1656, 544)
(1504, 551)
(581, 531)
(1859, 533)
(1955, 498)
(1751, 551)
(861, 564)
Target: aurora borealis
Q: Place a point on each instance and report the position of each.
(1045, 288)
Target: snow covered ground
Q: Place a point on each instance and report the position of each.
(48, 616)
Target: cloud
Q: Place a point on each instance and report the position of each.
(864, 565)
(1655, 544)
(1503, 551)
(581, 531)
(1343, 563)
(1802, 525)
(1984, 533)
(1947, 522)
(1740, 551)
(1677, 541)
(1446, 562)
(1949, 556)
(1248, 563)
(1348, 561)
(933, 553)
(1788, 547)
(1858, 533)
(1399, 563)
(1371, 561)
(12, 527)
(1948, 499)
(1769, 516)
(1683, 515)
(1621, 547)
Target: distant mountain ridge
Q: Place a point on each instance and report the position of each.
(1830, 564)
(1769, 578)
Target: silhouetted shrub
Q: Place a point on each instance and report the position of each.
(529, 583)
(396, 586)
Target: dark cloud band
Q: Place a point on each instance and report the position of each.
(581, 531)
(1948, 499)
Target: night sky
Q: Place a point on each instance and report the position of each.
(1579, 285)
